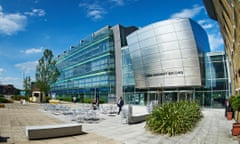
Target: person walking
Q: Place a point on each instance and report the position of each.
(120, 104)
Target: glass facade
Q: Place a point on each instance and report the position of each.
(217, 87)
(162, 62)
(88, 69)
(171, 62)
(127, 69)
(92, 69)
(213, 94)
(128, 80)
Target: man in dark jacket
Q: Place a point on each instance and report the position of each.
(120, 104)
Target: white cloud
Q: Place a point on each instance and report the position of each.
(118, 2)
(27, 67)
(97, 9)
(1, 70)
(216, 41)
(95, 14)
(214, 36)
(210, 26)
(206, 24)
(36, 12)
(11, 23)
(11, 80)
(94, 10)
(188, 13)
(33, 50)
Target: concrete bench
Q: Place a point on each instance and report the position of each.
(52, 131)
(137, 119)
(134, 117)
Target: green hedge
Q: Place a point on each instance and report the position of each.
(174, 118)
(85, 100)
(4, 100)
(18, 97)
(90, 100)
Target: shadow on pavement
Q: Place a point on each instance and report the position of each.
(3, 139)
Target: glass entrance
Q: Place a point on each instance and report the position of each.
(154, 97)
(185, 96)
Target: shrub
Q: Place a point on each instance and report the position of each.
(4, 100)
(67, 99)
(235, 103)
(18, 97)
(90, 100)
(174, 118)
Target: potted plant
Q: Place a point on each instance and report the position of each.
(2, 105)
(235, 104)
(229, 110)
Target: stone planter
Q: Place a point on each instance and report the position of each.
(2, 105)
(235, 129)
(229, 115)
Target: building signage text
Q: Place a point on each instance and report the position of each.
(165, 74)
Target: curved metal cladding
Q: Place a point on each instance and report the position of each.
(166, 54)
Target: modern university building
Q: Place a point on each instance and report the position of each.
(165, 61)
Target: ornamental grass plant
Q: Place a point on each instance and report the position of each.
(174, 118)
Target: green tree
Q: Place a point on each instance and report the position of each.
(46, 72)
(27, 85)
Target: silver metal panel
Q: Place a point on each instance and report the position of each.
(145, 35)
(168, 46)
(147, 42)
(170, 55)
(187, 43)
(141, 84)
(191, 71)
(189, 53)
(184, 35)
(166, 37)
(167, 56)
(164, 29)
(132, 39)
(182, 25)
(150, 50)
(171, 64)
(190, 63)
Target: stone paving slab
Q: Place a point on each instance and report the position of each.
(14, 117)
(212, 129)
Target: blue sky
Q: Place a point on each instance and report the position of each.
(27, 27)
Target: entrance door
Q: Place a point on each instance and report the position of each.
(154, 97)
(181, 97)
(185, 96)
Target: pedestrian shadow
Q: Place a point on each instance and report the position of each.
(3, 139)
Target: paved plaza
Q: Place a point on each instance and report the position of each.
(110, 129)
